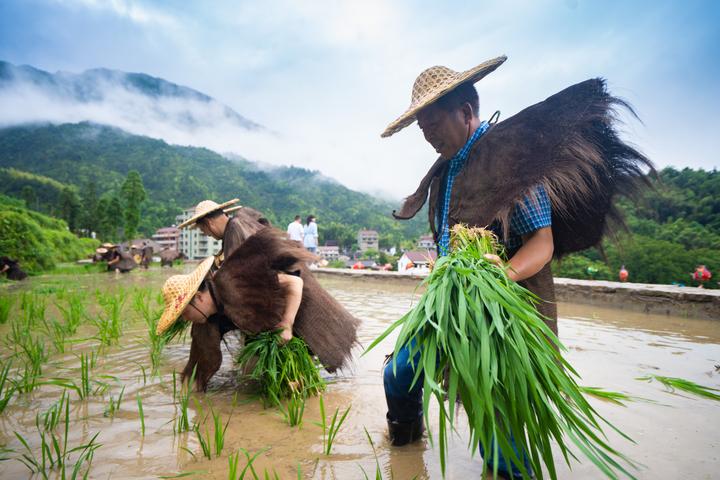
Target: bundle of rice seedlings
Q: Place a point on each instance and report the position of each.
(481, 340)
(283, 371)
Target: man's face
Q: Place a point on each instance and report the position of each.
(446, 131)
(199, 308)
(210, 227)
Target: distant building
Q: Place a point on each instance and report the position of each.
(426, 242)
(167, 237)
(329, 253)
(367, 240)
(416, 261)
(192, 242)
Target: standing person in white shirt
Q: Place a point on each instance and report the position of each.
(310, 234)
(295, 229)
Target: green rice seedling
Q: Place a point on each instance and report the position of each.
(249, 467)
(86, 385)
(109, 322)
(114, 405)
(293, 409)
(7, 390)
(51, 416)
(34, 355)
(674, 383)
(141, 413)
(55, 453)
(56, 332)
(479, 333)
(330, 430)
(6, 303)
(281, 370)
(270, 476)
(182, 423)
(143, 371)
(204, 441)
(233, 461)
(73, 312)
(174, 376)
(217, 440)
(5, 453)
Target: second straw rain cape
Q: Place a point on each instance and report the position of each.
(247, 286)
(568, 144)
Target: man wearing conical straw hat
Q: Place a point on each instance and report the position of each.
(543, 180)
(213, 220)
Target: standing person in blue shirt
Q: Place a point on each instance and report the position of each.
(543, 181)
(310, 234)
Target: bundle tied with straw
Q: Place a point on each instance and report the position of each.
(282, 371)
(480, 339)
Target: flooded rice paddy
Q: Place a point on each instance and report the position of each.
(676, 434)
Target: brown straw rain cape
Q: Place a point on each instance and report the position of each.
(568, 144)
(247, 287)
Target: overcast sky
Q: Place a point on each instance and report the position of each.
(328, 76)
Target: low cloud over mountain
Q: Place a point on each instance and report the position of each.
(135, 102)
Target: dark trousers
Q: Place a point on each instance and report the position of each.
(405, 404)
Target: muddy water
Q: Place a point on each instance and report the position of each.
(676, 437)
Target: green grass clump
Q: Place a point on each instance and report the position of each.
(283, 371)
(479, 331)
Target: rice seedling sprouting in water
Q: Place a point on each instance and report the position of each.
(7, 390)
(6, 303)
(109, 322)
(34, 355)
(293, 409)
(234, 461)
(282, 370)
(674, 383)
(51, 417)
(73, 312)
(330, 430)
(55, 453)
(57, 333)
(478, 332)
(114, 405)
(206, 441)
(141, 413)
(182, 423)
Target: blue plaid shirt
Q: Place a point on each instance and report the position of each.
(456, 164)
(535, 215)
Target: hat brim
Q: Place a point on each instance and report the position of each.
(233, 209)
(173, 311)
(473, 75)
(193, 220)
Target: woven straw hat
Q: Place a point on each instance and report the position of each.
(435, 82)
(203, 208)
(108, 245)
(101, 250)
(177, 292)
(233, 209)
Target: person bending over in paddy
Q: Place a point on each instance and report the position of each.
(264, 285)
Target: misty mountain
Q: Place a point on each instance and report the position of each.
(99, 85)
(177, 177)
(135, 102)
